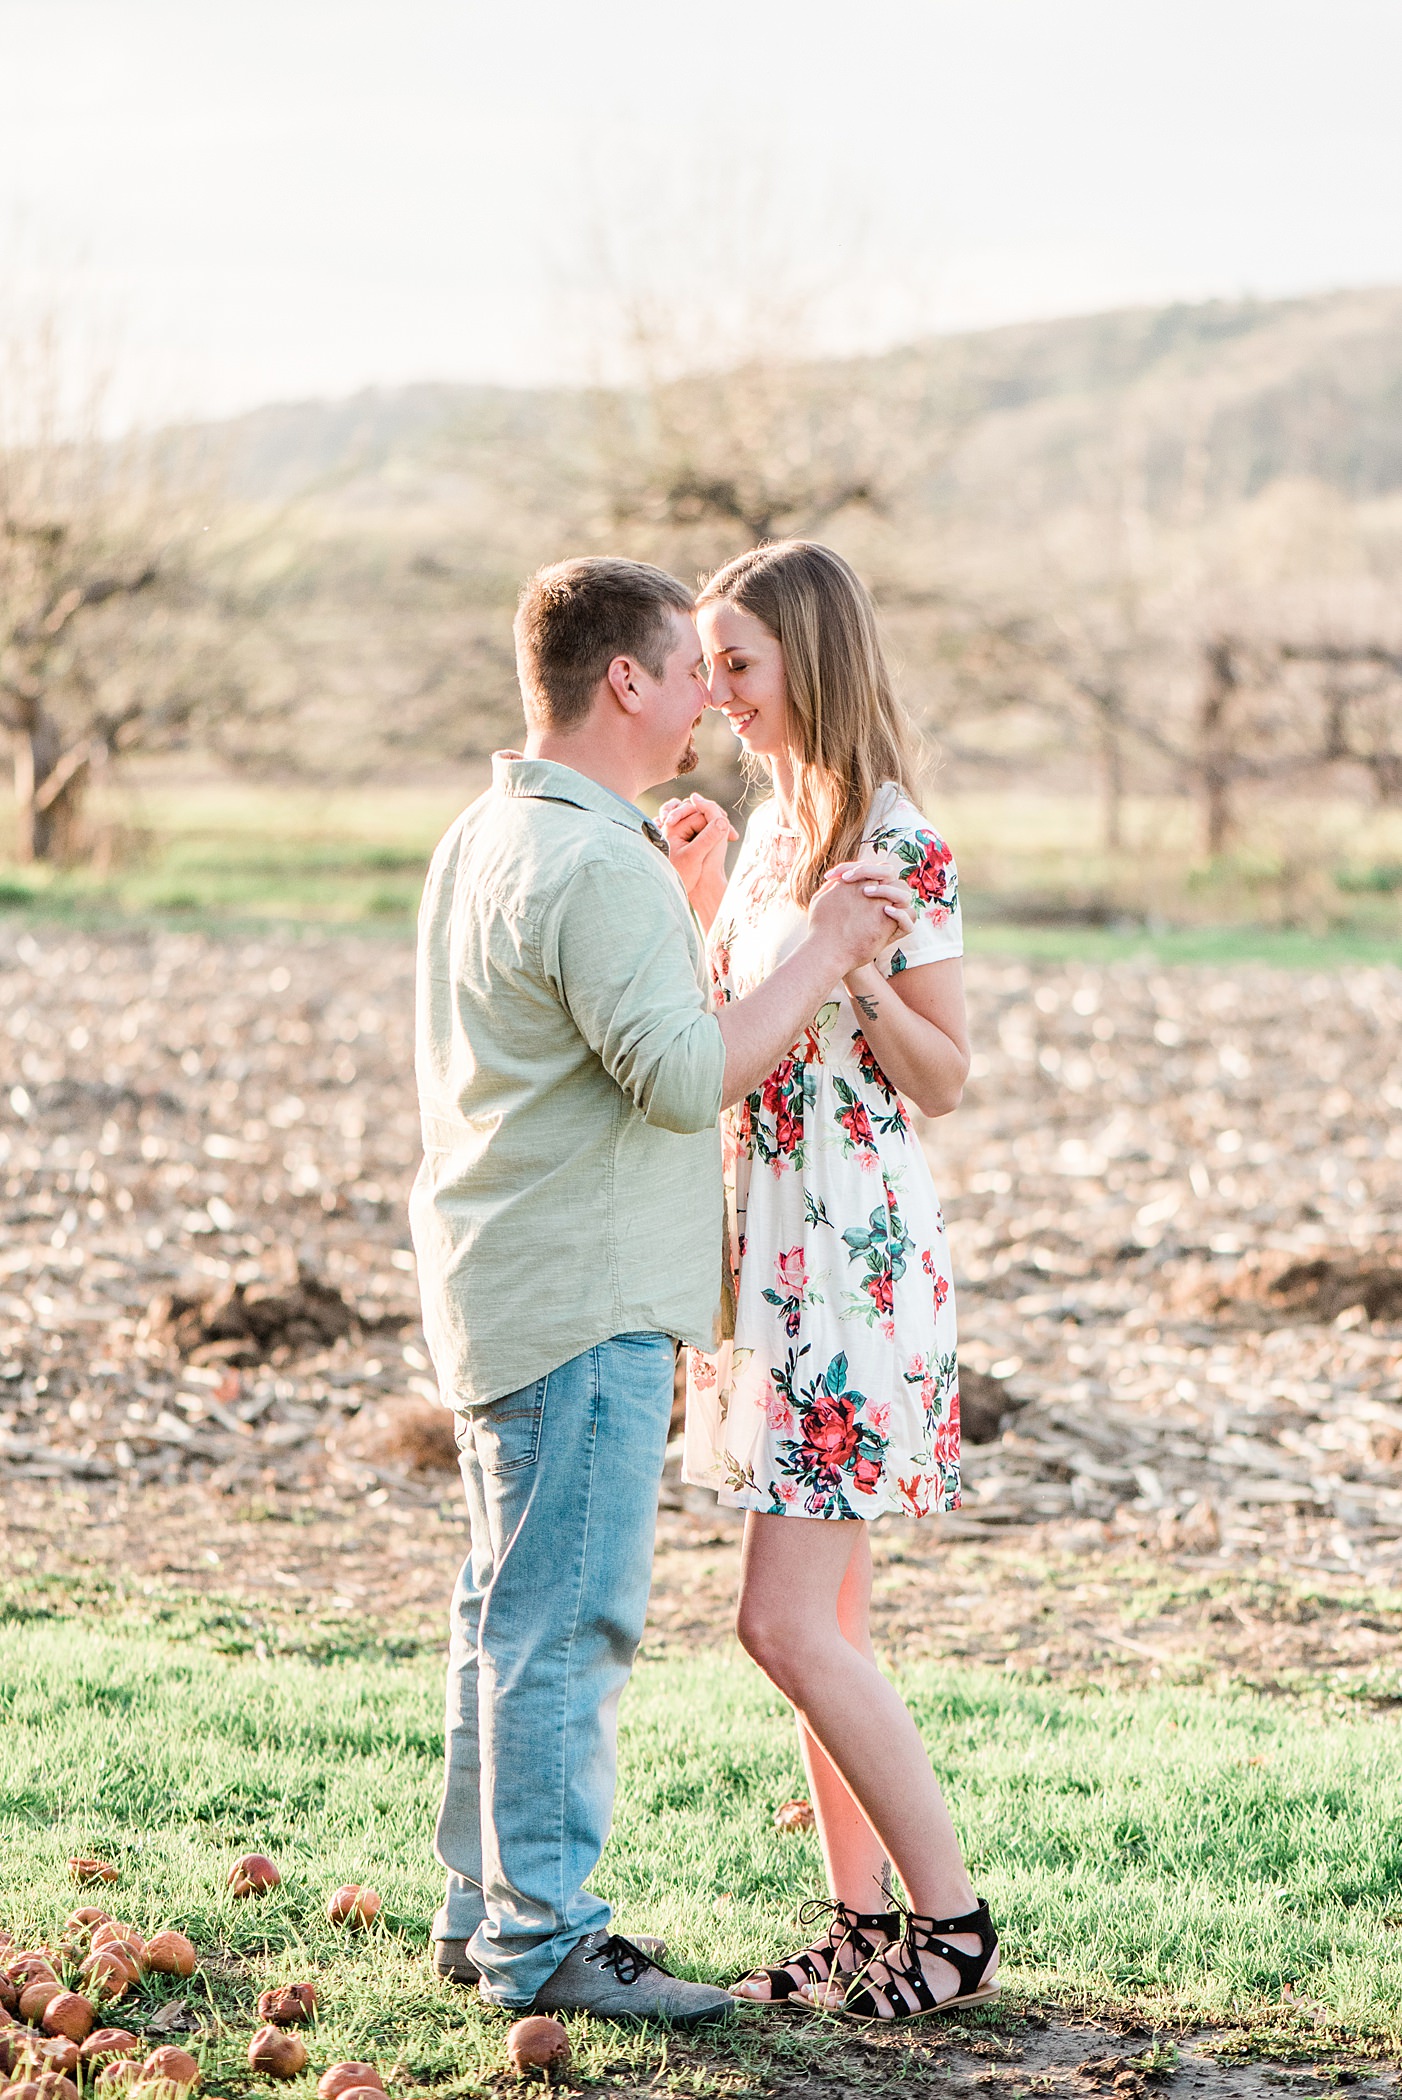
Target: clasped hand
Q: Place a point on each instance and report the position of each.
(697, 833)
(866, 906)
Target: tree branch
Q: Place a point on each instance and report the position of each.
(51, 622)
(57, 783)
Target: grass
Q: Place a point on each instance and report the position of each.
(1287, 948)
(212, 850)
(1306, 888)
(1175, 1855)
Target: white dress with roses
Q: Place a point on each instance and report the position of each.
(839, 1396)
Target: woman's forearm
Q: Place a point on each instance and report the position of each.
(925, 1063)
(705, 898)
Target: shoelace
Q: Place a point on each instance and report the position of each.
(626, 1961)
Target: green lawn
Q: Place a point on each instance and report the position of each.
(1178, 1853)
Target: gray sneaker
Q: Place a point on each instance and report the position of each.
(452, 1961)
(615, 1979)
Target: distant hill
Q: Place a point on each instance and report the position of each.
(1253, 390)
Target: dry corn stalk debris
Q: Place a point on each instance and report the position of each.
(1174, 1199)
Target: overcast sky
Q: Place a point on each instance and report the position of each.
(279, 198)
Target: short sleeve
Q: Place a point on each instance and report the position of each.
(927, 867)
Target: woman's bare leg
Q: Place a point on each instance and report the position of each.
(792, 1575)
(852, 1852)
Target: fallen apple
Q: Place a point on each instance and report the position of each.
(339, 2079)
(16, 2049)
(87, 1869)
(58, 2053)
(253, 1875)
(537, 2044)
(288, 2005)
(108, 1971)
(116, 2077)
(276, 2054)
(171, 2066)
(794, 1815)
(169, 1953)
(48, 2085)
(33, 1966)
(106, 2043)
(86, 1919)
(35, 1997)
(69, 2014)
(354, 1906)
(125, 1938)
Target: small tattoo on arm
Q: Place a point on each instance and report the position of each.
(868, 1008)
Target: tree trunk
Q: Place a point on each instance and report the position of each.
(1215, 754)
(49, 785)
(1112, 785)
(1386, 769)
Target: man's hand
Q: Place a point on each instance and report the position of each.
(697, 833)
(861, 909)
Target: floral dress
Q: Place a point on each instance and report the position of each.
(839, 1396)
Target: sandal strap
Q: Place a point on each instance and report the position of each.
(867, 1931)
(927, 1936)
(902, 1963)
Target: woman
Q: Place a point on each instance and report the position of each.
(838, 1399)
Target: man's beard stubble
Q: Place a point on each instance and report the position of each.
(690, 758)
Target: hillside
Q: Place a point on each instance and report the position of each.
(1258, 389)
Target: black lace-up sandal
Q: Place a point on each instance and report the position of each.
(894, 1987)
(853, 1940)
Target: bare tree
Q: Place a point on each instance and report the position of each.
(104, 621)
(49, 583)
(1361, 704)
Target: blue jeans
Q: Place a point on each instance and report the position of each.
(562, 1480)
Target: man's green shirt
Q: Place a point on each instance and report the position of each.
(569, 1070)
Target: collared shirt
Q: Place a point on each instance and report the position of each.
(569, 1069)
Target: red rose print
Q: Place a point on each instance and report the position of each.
(866, 1473)
(776, 1085)
(880, 1292)
(830, 1431)
(857, 1124)
(927, 879)
(946, 1448)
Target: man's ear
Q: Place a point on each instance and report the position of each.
(622, 677)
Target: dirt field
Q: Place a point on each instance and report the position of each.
(1175, 1203)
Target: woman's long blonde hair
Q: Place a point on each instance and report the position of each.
(847, 730)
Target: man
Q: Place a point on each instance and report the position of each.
(567, 1221)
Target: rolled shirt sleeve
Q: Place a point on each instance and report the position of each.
(615, 947)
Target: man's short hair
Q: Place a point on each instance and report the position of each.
(575, 617)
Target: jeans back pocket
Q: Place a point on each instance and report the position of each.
(505, 1434)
